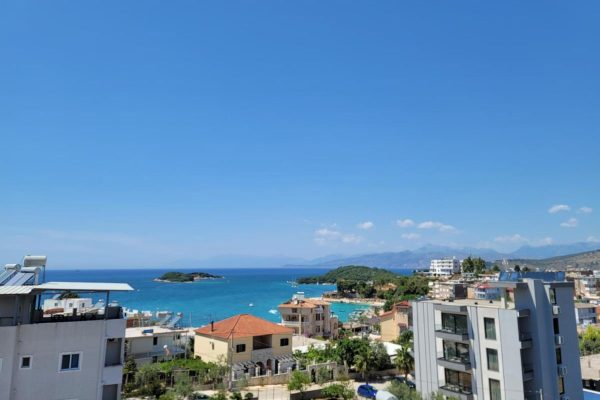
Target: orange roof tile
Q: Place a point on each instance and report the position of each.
(242, 325)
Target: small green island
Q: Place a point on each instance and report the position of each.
(180, 277)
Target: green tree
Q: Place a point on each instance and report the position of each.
(183, 386)
(129, 369)
(404, 360)
(363, 362)
(468, 265)
(338, 391)
(478, 265)
(589, 341)
(298, 381)
(402, 391)
(248, 396)
(525, 269)
(236, 396)
(495, 268)
(147, 378)
(220, 395)
(517, 268)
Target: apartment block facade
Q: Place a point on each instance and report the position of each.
(53, 354)
(444, 267)
(309, 317)
(505, 349)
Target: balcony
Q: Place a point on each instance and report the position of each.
(527, 372)
(452, 333)
(457, 391)
(456, 363)
(525, 340)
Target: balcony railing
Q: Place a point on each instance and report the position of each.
(459, 391)
(452, 332)
(457, 363)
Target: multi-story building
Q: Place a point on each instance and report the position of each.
(155, 343)
(309, 317)
(585, 313)
(248, 344)
(444, 267)
(72, 354)
(486, 291)
(444, 290)
(525, 348)
(395, 321)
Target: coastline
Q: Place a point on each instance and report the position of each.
(366, 302)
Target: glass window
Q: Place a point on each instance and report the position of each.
(495, 393)
(561, 385)
(454, 323)
(558, 356)
(552, 295)
(555, 324)
(454, 351)
(240, 348)
(26, 362)
(492, 359)
(490, 328)
(69, 362)
(460, 381)
(155, 340)
(284, 342)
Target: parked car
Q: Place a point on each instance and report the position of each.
(407, 382)
(367, 391)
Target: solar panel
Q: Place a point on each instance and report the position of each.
(174, 321)
(5, 275)
(19, 279)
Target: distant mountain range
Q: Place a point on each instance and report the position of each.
(588, 260)
(421, 257)
(409, 259)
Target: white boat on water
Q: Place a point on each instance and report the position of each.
(273, 311)
(251, 305)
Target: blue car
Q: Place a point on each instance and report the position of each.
(367, 391)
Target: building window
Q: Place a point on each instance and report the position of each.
(294, 310)
(490, 328)
(240, 348)
(69, 361)
(26, 362)
(492, 359)
(317, 329)
(495, 392)
(458, 380)
(561, 385)
(555, 324)
(284, 342)
(552, 295)
(154, 340)
(454, 323)
(318, 317)
(458, 352)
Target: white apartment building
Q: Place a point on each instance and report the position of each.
(155, 343)
(59, 355)
(523, 346)
(444, 267)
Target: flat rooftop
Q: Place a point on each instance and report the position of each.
(138, 332)
(474, 303)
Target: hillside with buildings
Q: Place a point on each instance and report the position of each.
(586, 260)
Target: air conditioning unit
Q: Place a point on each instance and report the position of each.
(558, 340)
(562, 370)
(555, 310)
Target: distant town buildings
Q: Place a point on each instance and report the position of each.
(444, 267)
(309, 317)
(444, 290)
(395, 321)
(251, 346)
(54, 347)
(522, 346)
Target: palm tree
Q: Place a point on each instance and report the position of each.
(363, 362)
(404, 360)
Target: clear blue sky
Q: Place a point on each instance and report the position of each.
(137, 133)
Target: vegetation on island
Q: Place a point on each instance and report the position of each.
(589, 341)
(186, 276)
(473, 265)
(356, 273)
(373, 283)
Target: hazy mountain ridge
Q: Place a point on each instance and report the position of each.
(588, 260)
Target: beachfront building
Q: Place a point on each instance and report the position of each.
(155, 343)
(76, 353)
(501, 349)
(251, 346)
(444, 267)
(394, 322)
(309, 317)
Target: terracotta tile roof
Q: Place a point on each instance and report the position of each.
(242, 325)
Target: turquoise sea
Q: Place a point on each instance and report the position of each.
(208, 300)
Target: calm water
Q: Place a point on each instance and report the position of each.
(208, 300)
